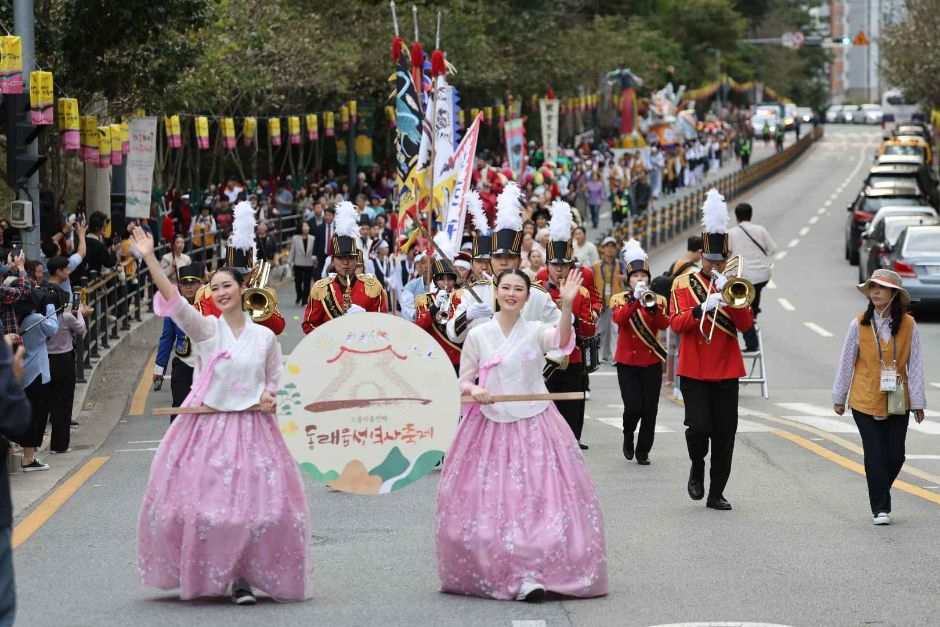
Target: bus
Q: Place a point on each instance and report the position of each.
(898, 109)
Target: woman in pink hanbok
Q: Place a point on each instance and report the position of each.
(224, 509)
(517, 513)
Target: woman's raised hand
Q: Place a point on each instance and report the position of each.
(570, 286)
(142, 240)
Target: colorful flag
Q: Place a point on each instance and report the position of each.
(293, 129)
(11, 65)
(104, 147)
(344, 118)
(548, 111)
(328, 124)
(202, 132)
(249, 131)
(41, 98)
(313, 133)
(407, 115)
(514, 131)
(125, 138)
(274, 131)
(117, 155)
(464, 160)
(68, 124)
(174, 136)
(228, 133)
(89, 138)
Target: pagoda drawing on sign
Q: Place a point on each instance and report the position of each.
(346, 391)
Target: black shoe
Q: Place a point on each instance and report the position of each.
(583, 446)
(628, 446)
(696, 488)
(242, 593)
(718, 503)
(643, 461)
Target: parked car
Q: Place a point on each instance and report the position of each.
(850, 114)
(918, 129)
(882, 234)
(866, 205)
(890, 175)
(805, 114)
(916, 257)
(834, 114)
(871, 114)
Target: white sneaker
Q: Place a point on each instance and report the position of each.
(882, 519)
(531, 592)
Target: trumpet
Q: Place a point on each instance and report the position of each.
(259, 300)
(648, 298)
(443, 314)
(737, 293)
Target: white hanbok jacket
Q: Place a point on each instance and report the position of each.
(539, 308)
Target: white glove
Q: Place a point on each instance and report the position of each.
(720, 281)
(712, 302)
(639, 289)
(440, 301)
(355, 309)
(479, 310)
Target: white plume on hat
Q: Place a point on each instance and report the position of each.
(508, 209)
(714, 213)
(347, 220)
(632, 251)
(445, 245)
(560, 226)
(243, 226)
(475, 207)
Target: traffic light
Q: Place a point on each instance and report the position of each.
(846, 41)
(20, 134)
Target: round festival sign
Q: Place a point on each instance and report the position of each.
(368, 403)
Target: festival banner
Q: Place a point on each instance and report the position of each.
(313, 133)
(138, 176)
(202, 132)
(11, 65)
(514, 131)
(117, 155)
(293, 129)
(407, 128)
(352, 111)
(249, 131)
(344, 118)
(104, 147)
(488, 115)
(69, 127)
(174, 136)
(41, 99)
(274, 131)
(228, 133)
(89, 138)
(125, 138)
(328, 124)
(464, 161)
(549, 112)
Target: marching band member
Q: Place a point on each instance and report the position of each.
(709, 371)
(506, 243)
(640, 356)
(479, 261)
(224, 507)
(434, 306)
(240, 255)
(173, 339)
(565, 372)
(345, 291)
(517, 513)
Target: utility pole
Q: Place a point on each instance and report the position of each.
(23, 23)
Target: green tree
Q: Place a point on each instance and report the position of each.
(909, 52)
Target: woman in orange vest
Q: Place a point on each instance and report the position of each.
(881, 373)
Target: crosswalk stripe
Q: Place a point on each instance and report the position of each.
(806, 408)
(618, 423)
(927, 426)
(812, 326)
(832, 425)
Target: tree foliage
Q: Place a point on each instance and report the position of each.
(910, 55)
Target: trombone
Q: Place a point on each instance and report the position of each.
(737, 293)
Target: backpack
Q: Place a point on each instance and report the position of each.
(662, 284)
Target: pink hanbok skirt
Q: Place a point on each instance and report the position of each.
(225, 500)
(516, 502)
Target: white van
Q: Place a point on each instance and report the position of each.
(898, 109)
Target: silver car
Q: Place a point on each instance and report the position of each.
(834, 114)
(916, 257)
(851, 114)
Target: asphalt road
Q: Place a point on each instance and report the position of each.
(799, 547)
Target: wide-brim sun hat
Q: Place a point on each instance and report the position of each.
(886, 278)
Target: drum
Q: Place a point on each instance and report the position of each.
(590, 353)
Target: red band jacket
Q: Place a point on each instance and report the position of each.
(326, 299)
(639, 347)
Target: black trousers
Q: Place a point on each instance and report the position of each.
(302, 278)
(38, 394)
(181, 382)
(571, 379)
(639, 389)
(883, 443)
(62, 371)
(711, 413)
(750, 336)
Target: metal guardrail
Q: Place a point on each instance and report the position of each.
(117, 298)
(673, 218)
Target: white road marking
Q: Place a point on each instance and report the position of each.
(930, 427)
(821, 210)
(772, 286)
(812, 326)
(780, 255)
(145, 441)
(814, 220)
(605, 373)
(826, 424)
(806, 408)
(833, 195)
(827, 203)
(133, 450)
(922, 456)
(618, 424)
(749, 426)
(804, 231)
(793, 243)
(787, 305)
(936, 385)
